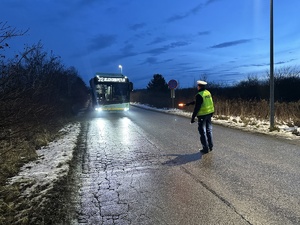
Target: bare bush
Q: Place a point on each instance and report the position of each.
(37, 97)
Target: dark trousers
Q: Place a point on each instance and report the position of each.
(205, 131)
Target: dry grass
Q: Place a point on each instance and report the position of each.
(15, 152)
(284, 112)
(224, 108)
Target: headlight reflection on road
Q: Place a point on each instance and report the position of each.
(124, 128)
(101, 122)
(114, 129)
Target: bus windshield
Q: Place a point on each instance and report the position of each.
(112, 92)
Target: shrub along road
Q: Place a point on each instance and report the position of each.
(145, 168)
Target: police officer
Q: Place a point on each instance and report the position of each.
(203, 109)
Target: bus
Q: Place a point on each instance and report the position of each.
(110, 92)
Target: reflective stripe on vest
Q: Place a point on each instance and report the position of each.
(207, 106)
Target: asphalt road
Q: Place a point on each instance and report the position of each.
(146, 168)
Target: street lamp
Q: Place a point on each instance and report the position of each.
(271, 68)
(120, 66)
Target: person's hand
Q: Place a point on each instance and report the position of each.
(193, 120)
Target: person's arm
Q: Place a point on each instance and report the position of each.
(190, 103)
(197, 107)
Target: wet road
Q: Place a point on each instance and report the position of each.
(145, 168)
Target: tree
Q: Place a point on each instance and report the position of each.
(37, 89)
(158, 83)
(7, 32)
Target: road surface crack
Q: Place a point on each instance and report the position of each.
(214, 193)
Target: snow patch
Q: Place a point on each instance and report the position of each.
(52, 164)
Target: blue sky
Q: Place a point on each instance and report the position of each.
(223, 40)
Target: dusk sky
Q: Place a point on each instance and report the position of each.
(223, 40)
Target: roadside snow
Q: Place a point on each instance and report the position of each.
(52, 164)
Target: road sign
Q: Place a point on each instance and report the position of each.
(172, 84)
(172, 93)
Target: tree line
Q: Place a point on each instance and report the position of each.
(38, 94)
(286, 84)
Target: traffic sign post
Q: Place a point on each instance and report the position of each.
(172, 93)
(172, 85)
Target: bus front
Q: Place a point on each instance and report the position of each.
(111, 93)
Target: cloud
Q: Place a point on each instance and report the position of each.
(154, 60)
(102, 41)
(266, 64)
(125, 52)
(73, 7)
(127, 48)
(256, 65)
(157, 51)
(138, 36)
(201, 33)
(284, 62)
(137, 26)
(231, 43)
(157, 40)
(208, 2)
(142, 35)
(176, 17)
(107, 60)
(82, 3)
(150, 60)
(193, 11)
(167, 60)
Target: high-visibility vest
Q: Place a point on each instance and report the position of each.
(207, 106)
